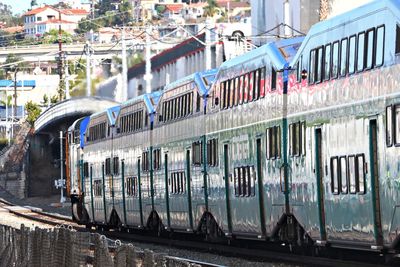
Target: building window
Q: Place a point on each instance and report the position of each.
(157, 159)
(197, 153)
(177, 182)
(244, 181)
(273, 143)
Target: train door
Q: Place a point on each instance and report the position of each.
(319, 172)
(374, 170)
(227, 178)
(189, 189)
(260, 188)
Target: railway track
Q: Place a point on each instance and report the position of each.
(37, 215)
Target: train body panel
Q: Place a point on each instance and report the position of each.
(284, 152)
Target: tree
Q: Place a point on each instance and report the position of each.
(51, 37)
(13, 63)
(33, 3)
(211, 8)
(33, 110)
(85, 25)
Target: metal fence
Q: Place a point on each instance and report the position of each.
(66, 247)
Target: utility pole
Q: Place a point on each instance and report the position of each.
(60, 56)
(148, 75)
(15, 95)
(88, 63)
(124, 93)
(67, 96)
(208, 47)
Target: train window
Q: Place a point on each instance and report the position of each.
(360, 51)
(273, 79)
(237, 91)
(157, 159)
(299, 68)
(262, 82)
(145, 161)
(232, 93)
(116, 165)
(335, 60)
(246, 88)
(97, 188)
(132, 186)
(250, 95)
(343, 57)
(212, 152)
(397, 39)
(179, 107)
(380, 46)
(190, 103)
(311, 72)
(273, 144)
(369, 49)
(198, 102)
(351, 169)
(197, 153)
(241, 89)
(360, 172)
(256, 91)
(177, 183)
(303, 138)
(335, 175)
(86, 169)
(343, 174)
(244, 181)
(319, 64)
(397, 125)
(352, 54)
(108, 166)
(389, 126)
(327, 62)
(295, 138)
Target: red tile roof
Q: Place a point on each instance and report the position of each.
(55, 21)
(232, 4)
(75, 12)
(37, 10)
(174, 7)
(64, 11)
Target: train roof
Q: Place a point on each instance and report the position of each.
(279, 52)
(342, 19)
(203, 80)
(151, 101)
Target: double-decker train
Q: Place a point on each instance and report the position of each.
(297, 141)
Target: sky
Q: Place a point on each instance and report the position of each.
(18, 6)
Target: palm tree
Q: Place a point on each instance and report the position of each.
(33, 3)
(211, 8)
(324, 9)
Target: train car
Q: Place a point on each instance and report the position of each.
(245, 193)
(296, 141)
(343, 116)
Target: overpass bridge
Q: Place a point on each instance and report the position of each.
(43, 166)
(49, 52)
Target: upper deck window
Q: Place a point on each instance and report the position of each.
(360, 51)
(380, 45)
(352, 54)
(343, 57)
(335, 60)
(327, 62)
(397, 39)
(311, 75)
(369, 48)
